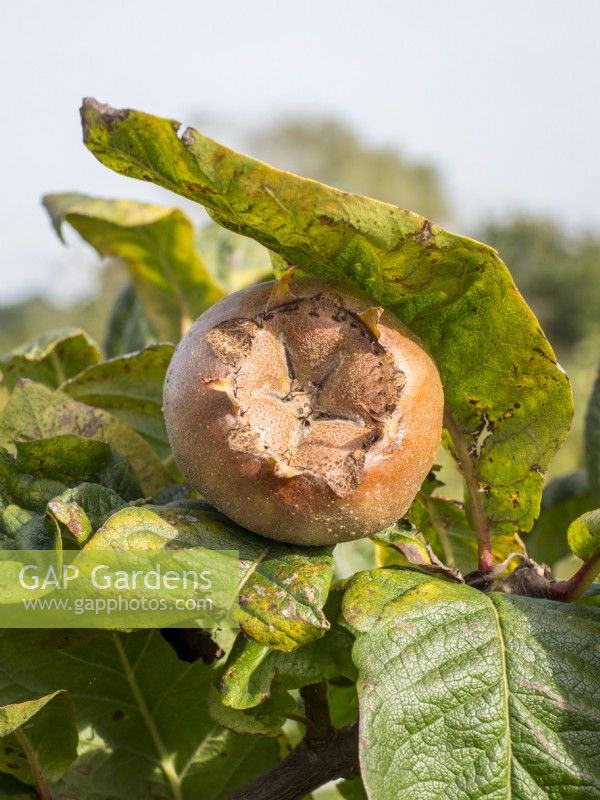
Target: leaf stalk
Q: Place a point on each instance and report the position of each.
(478, 520)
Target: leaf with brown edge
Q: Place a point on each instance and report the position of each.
(509, 403)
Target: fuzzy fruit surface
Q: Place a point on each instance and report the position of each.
(302, 412)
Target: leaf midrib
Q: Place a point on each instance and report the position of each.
(165, 759)
(506, 693)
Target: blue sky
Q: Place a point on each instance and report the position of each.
(501, 94)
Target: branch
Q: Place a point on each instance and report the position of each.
(316, 710)
(480, 526)
(325, 754)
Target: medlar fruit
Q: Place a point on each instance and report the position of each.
(302, 412)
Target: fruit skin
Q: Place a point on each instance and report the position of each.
(256, 490)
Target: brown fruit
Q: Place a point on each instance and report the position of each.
(302, 412)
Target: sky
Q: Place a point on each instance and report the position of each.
(502, 95)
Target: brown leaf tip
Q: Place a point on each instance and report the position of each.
(111, 116)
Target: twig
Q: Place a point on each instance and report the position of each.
(480, 526)
(325, 754)
(577, 584)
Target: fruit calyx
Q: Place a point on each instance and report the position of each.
(313, 390)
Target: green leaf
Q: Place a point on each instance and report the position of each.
(131, 388)
(252, 669)
(13, 518)
(468, 695)
(400, 545)
(265, 720)
(444, 525)
(584, 535)
(119, 476)
(64, 458)
(591, 597)
(352, 790)
(282, 588)
(128, 329)
(564, 499)
(509, 403)
(31, 750)
(234, 261)
(52, 359)
(22, 529)
(11, 788)
(33, 494)
(592, 439)
(81, 510)
(23, 500)
(343, 702)
(73, 459)
(156, 244)
(35, 412)
(145, 730)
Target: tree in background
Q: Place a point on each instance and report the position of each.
(332, 152)
(25, 321)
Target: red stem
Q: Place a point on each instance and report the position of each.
(578, 584)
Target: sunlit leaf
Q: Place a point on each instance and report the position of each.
(264, 720)
(52, 359)
(505, 393)
(157, 246)
(30, 749)
(252, 670)
(35, 412)
(468, 695)
(282, 588)
(584, 535)
(130, 387)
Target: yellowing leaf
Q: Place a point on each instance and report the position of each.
(509, 403)
(156, 244)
